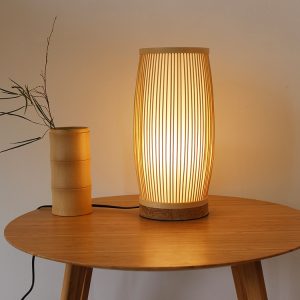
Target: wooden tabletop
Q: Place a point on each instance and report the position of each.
(236, 231)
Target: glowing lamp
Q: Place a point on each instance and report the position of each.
(173, 132)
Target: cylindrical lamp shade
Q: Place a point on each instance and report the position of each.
(173, 132)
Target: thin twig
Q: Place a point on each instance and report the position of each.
(22, 117)
(26, 142)
(2, 113)
(15, 147)
(7, 98)
(44, 76)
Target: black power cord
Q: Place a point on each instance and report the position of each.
(33, 278)
(99, 205)
(49, 206)
(114, 206)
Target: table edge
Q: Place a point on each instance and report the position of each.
(175, 268)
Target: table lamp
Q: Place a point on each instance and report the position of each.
(173, 132)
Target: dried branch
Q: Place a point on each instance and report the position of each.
(32, 97)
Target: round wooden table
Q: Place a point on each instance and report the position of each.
(238, 232)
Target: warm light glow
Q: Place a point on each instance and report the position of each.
(173, 126)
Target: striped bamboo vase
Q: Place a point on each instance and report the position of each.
(70, 171)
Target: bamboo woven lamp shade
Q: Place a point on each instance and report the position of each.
(173, 132)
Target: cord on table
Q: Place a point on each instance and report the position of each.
(49, 206)
(99, 205)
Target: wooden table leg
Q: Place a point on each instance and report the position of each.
(249, 281)
(76, 283)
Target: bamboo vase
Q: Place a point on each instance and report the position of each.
(70, 171)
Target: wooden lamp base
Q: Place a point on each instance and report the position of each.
(174, 214)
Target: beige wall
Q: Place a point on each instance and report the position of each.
(255, 60)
